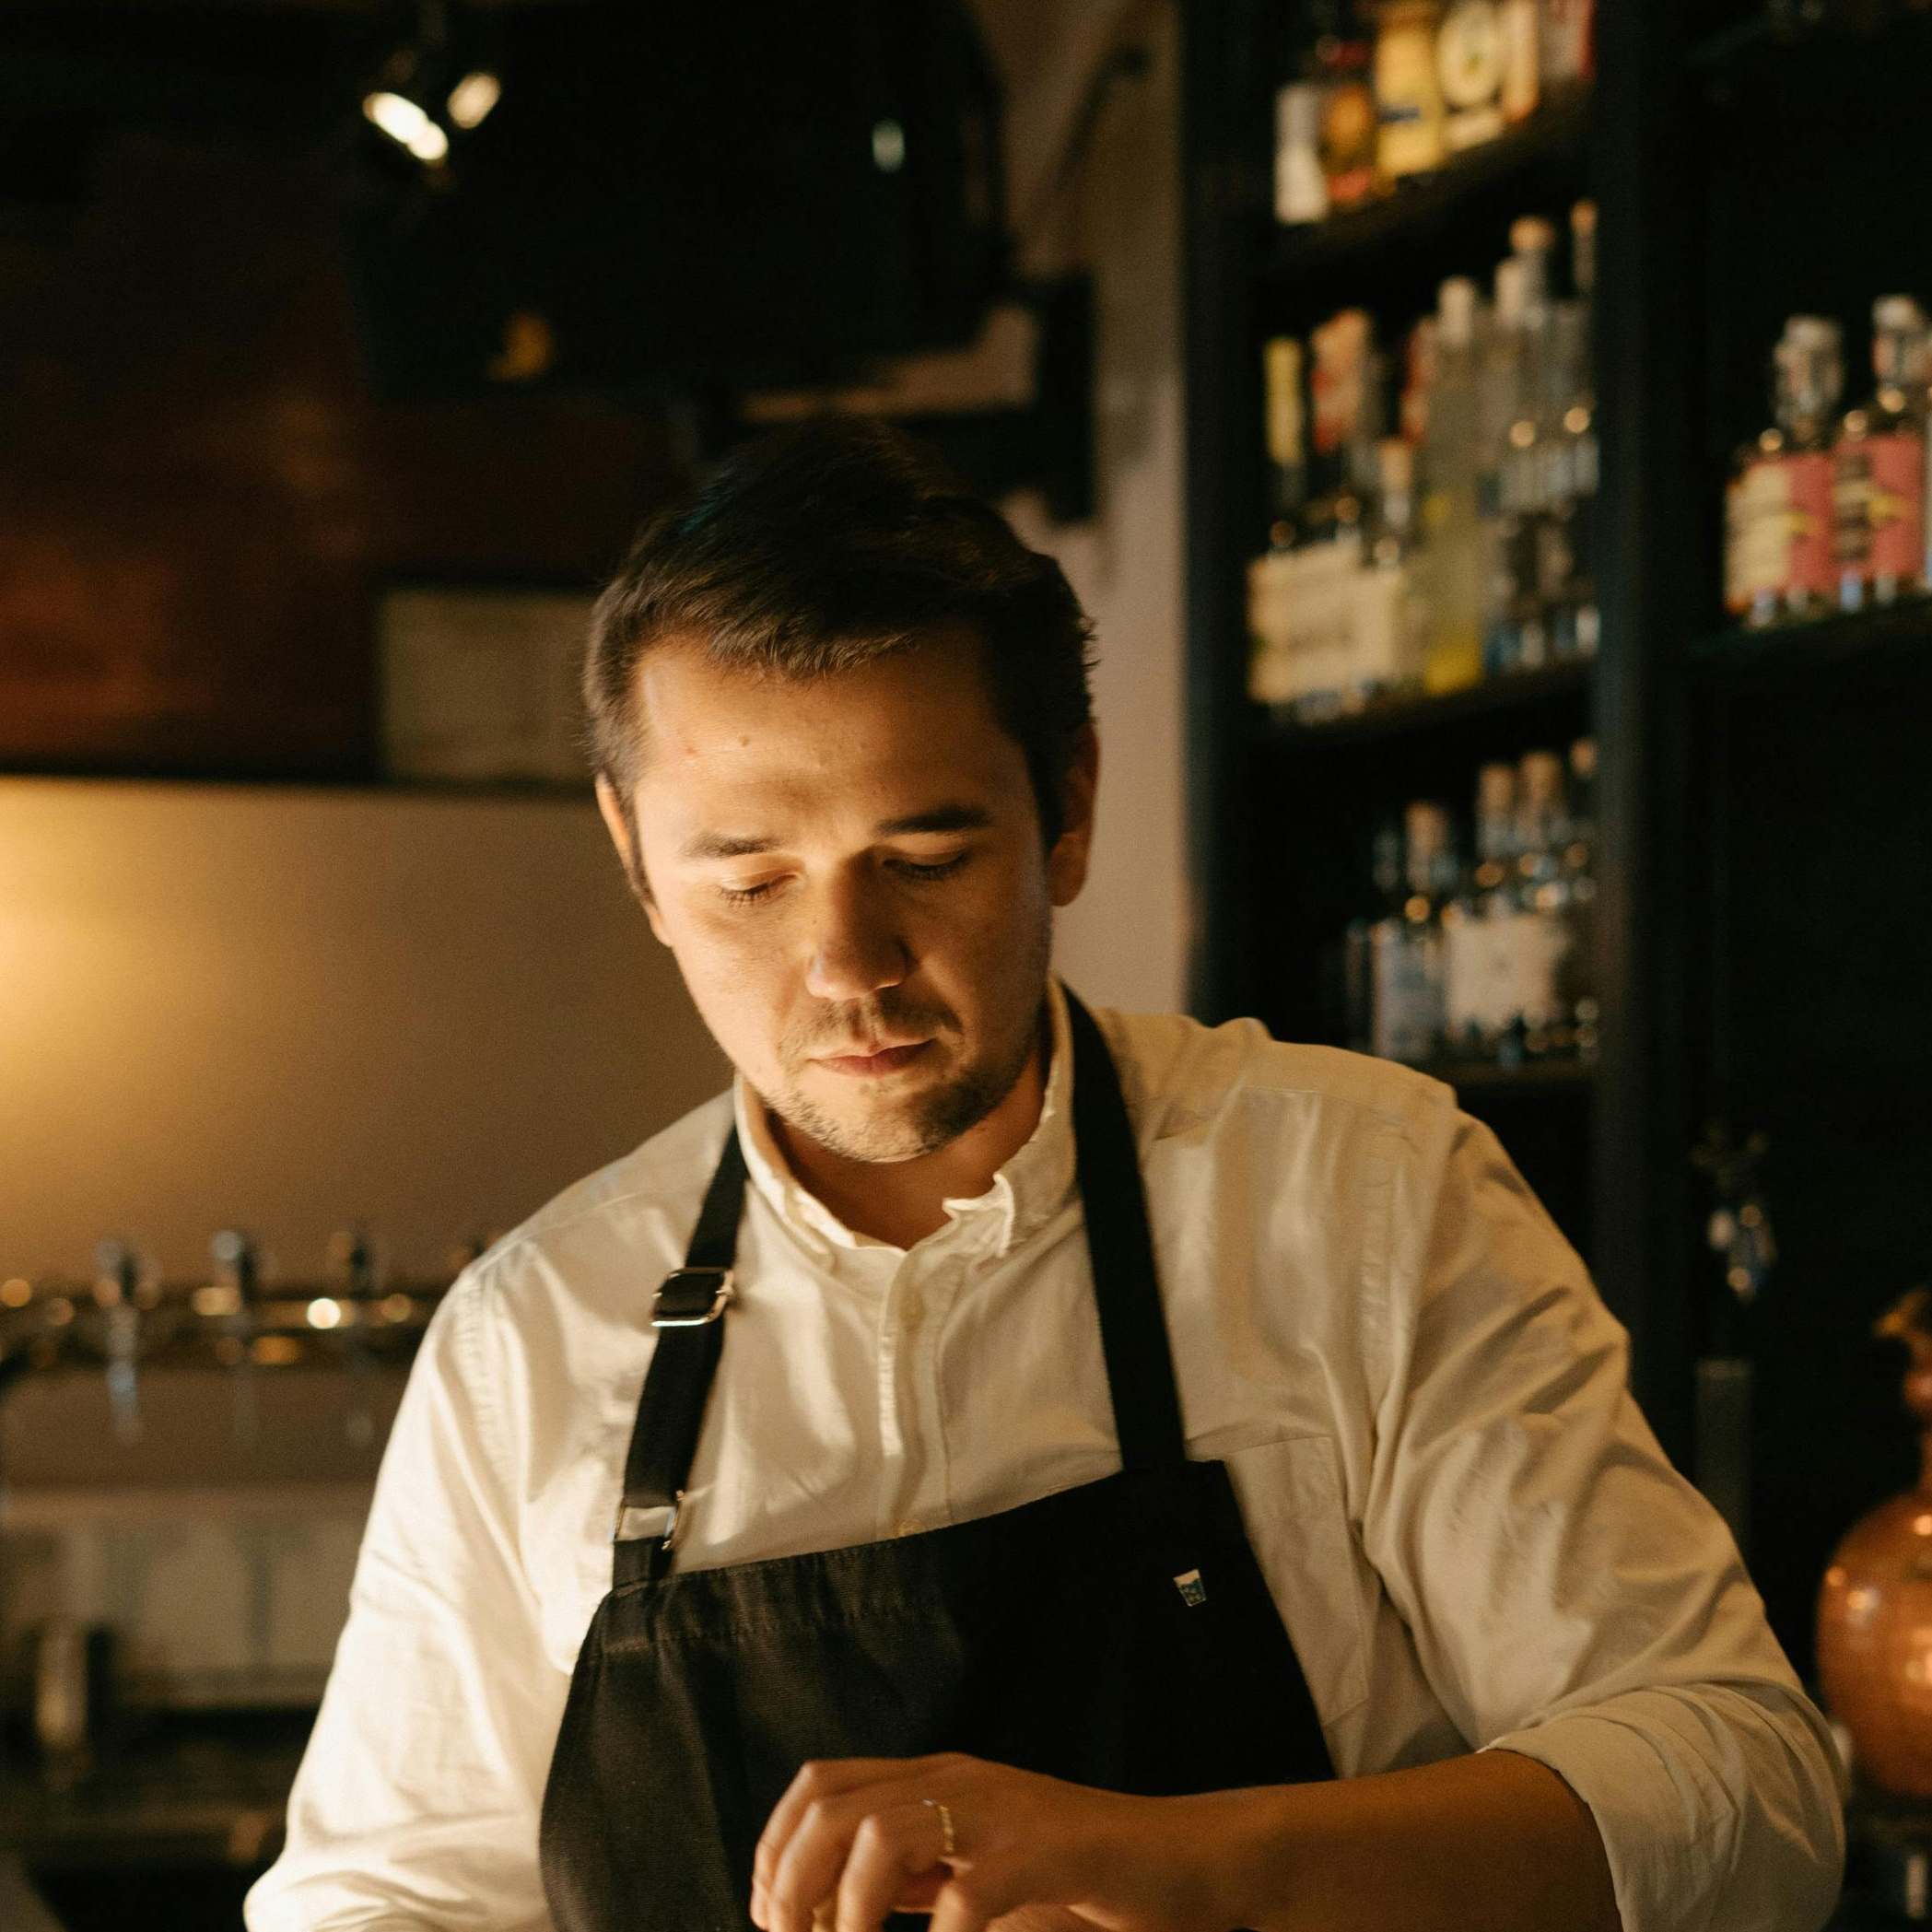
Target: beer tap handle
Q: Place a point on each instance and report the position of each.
(118, 1275)
(352, 1256)
(239, 1270)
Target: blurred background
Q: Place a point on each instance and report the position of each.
(1488, 435)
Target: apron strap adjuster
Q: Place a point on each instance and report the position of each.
(625, 1507)
(691, 1297)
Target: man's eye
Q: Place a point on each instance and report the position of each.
(912, 869)
(907, 868)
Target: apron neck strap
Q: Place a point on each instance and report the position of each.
(688, 1311)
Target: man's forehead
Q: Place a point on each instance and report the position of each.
(921, 701)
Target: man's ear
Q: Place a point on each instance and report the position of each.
(618, 826)
(1066, 863)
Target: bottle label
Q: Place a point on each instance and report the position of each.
(1758, 546)
(1407, 105)
(1470, 59)
(1811, 515)
(1896, 505)
(1851, 508)
(1407, 990)
(1479, 977)
(1538, 943)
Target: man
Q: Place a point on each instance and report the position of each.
(1087, 1473)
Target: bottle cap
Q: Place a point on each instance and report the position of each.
(1897, 311)
(1427, 825)
(1495, 789)
(1531, 235)
(1543, 777)
(1456, 310)
(1512, 285)
(1582, 759)
(1811, 331)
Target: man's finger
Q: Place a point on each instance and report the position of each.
(891, 1848)
(823, 1777)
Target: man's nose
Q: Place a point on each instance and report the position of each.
(858, 948)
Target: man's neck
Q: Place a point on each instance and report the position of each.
(903, 1201)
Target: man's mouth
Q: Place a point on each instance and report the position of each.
(872, 1061)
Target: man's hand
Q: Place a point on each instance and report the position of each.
(852, 1840)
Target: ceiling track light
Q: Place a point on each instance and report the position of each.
(427, 97)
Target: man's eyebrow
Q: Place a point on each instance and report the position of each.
(941, 818)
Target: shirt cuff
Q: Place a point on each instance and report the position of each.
(1718, 1811)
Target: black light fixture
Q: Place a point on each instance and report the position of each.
(428, 94)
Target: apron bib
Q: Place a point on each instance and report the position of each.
(1117, 1634)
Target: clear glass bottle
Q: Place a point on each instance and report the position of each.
(1518, 635)
(1478, 998)
(1388, 659)
(1543, 935)
(1575, 622)
(1346, 416)
(1578, 980)
(1502, 355)
(1359, 943)
(1453, 568)
(1407, 944)
(1274, 670)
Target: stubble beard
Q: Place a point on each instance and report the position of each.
(936, 1117)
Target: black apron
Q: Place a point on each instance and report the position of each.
(1118, 1634)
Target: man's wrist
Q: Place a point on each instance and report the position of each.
(1243, 1846)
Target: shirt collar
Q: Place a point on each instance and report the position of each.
(1025, 1193)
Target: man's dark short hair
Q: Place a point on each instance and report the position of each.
(820, 548)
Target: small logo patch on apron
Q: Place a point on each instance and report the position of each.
(1193, 1590)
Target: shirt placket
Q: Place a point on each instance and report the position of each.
(915, 1489)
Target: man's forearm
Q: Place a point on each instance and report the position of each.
(1490, 1842)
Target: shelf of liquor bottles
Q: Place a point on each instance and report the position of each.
(1536, 159)
(1759, 813)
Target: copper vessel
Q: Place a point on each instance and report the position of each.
(1874, 1610)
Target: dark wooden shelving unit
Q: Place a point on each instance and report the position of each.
(1515, 695)
(1893, 635)
(1764, 936)
(1557, 133)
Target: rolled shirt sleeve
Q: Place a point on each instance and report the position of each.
(1571, 1596)
(418, 1796)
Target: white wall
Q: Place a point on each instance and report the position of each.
(1125, 942)
(289, 1008)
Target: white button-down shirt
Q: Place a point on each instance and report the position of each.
(1470, 1530)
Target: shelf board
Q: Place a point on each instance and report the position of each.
(1402, 718)
(1558, 131)
(1543, 1076)
(1753, 42)
(1897, 632)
